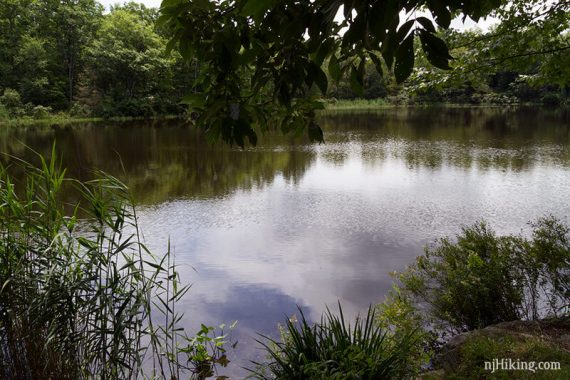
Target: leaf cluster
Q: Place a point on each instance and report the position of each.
(260, 58)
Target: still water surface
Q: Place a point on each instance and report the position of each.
(288, 223)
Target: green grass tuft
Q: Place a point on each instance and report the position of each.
(334, 349)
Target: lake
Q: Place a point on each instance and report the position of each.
(262, 230)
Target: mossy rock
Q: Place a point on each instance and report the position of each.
(464, 356)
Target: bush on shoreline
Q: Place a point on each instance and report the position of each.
(483, 279)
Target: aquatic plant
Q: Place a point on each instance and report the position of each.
(81, 296)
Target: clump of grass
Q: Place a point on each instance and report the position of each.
(333, 349)
(80, 294)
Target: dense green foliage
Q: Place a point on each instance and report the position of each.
(483, 279)
(263, 62)
(521, 59)
(260, 58)
(253, 65)
(81, 295)
(333, 349)
(69, 56)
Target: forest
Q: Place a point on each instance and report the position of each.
(74, 59)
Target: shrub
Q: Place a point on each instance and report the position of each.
(79, 110)
(40, 112)
(11, 102)
(551, 99)
(401, 318)
(482, 279)
(333, 349)
(11, 99)
(495, 99)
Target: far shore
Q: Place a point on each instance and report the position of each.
(330, 105)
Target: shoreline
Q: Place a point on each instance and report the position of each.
(363, 104)
(330, 106)
(56, 120)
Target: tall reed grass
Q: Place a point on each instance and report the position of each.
(81, 296)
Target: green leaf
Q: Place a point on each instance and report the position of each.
(389, 47)
(321, 80)
(356, 31)
(436, 50)
(377, 63)
(442, 15)
(256, 8)
(376, 21)
(170, 3)
(362, 68)
(324, 50)
(315, 132)
(436, 44)
(334, 68)
(404, 30)
(356, 83)
(426, 23)
(404, 59)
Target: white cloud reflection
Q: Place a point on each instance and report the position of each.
(336, 234)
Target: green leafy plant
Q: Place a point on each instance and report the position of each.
(400, 318)
(333, 349)
(11, 102)
(41, 112)
(482, 279)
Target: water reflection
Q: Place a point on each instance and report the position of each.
(170, 159)
(289, 223)
(160, 160)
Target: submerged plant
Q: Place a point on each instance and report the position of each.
(333, 349)
(81, 296)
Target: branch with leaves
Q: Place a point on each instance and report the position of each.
(254, 50)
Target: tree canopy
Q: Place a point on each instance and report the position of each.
(285, 45)
(247, 66)
(532, 41)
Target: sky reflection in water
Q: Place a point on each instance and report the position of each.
(289, 223)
